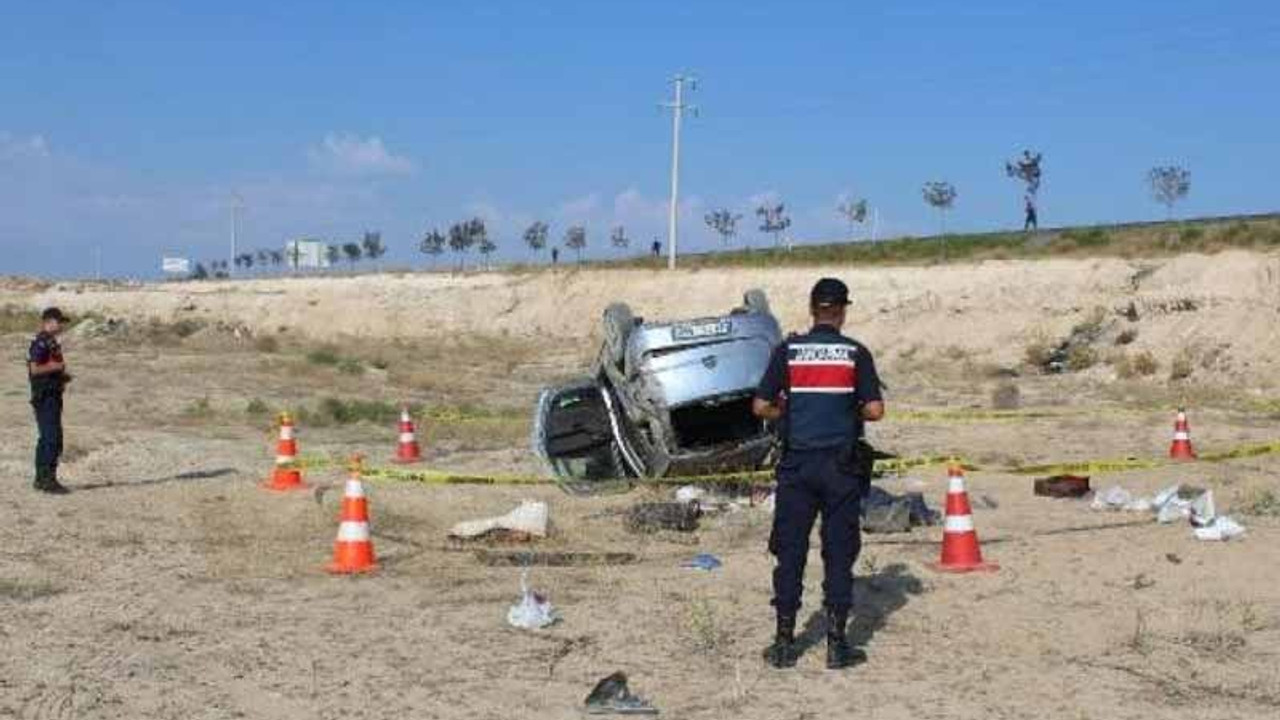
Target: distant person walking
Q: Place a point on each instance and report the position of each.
(555, 256)
(657, 248)
(47, 371)
(1031, 223)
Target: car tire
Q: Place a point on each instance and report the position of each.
(756, 301)
(618, 323)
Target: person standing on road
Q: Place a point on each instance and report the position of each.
(820, 387)
(47, 370)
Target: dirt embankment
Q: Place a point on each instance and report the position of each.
(1217, 312)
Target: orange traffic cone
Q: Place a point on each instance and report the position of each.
(353, 550)
(407, 451)
(960, 549)
(1181, 447)
(287, 475)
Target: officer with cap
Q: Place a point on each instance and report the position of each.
(820, 387)
(47, 371)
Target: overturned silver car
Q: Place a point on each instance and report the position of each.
(663, 398)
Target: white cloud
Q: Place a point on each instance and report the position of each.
(352, 155)
(12, 146)
(580, 209)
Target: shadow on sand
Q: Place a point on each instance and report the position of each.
(180, 477)
(875, 598)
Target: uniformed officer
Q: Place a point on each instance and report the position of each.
(820, 387)
(47, 370)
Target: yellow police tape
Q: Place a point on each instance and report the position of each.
(887, 465)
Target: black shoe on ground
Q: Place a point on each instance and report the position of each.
(783, 653)
(51, 486)
(840, 654)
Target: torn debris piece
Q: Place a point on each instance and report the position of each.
(534, 611)
(1063, 486)
(527, 521)
(655, 516)
(1222, 528)
(702, 561)
(611, 696)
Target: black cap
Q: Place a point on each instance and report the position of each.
(53, 313)
(829, 292)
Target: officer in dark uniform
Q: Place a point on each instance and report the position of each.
(49, 377)
(820, 387)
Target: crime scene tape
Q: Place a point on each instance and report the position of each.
(885, 465)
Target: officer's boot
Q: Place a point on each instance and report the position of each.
(783, 652)
(46, 482)
(840, 654)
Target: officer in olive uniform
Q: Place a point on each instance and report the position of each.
(49, 377)
(820, 387)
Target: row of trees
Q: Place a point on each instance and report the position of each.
(369, 247)
(1168, 184)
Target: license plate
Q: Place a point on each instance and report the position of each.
(701, 330)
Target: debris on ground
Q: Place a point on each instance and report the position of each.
(1179, 502)
(654, 516)
(884, 512)
(702, 561)
(1062, 486)
(534, 611)
(1222, 528)
(705, 500)
(549, 558)
(527, 521)
(1117, 498)
(611, 696)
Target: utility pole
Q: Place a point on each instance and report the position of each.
(677, 108)
(237, 204)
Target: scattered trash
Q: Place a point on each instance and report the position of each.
(553, 558)
(987, 502)
(702, 498)
(702, 561)
(611, 696)
(1222, 528)
(884, 512)
(1117, 498)
(534, 611)
(1063, 486)
(527, 521)
(1142, 582)
(655, 516)
(1178, 502)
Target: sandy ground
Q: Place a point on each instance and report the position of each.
(168, 585)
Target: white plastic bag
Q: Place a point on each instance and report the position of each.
(1113, 498)
(534, 611)
(1222, 528)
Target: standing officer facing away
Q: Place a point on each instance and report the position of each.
(48, 373)
(821, 387)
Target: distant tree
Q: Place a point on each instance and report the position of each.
(940, 195)
(353, 251)
(774, 220)
(245, 261)
(575, 238)
(277, 258)
(480, 238)
(1169, 184)
(333, 253)
(461, 240)
(535, 236)
(371, 245)
(200, 273)
(724, 223)
(1027, 169)
(432, 245)
(618, 238)
(853, 211)
(294, 251)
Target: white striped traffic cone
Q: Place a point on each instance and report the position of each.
(286, 475)
(1181, 448)
(407, 451)
(353, 549)
(960, 549)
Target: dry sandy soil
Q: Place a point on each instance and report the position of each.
(168, 585)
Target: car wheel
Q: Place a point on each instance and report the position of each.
(756, 301)
(618, 323)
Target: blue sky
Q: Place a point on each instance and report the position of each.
(128, 125)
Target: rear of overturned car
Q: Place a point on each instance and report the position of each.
(665, 398)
